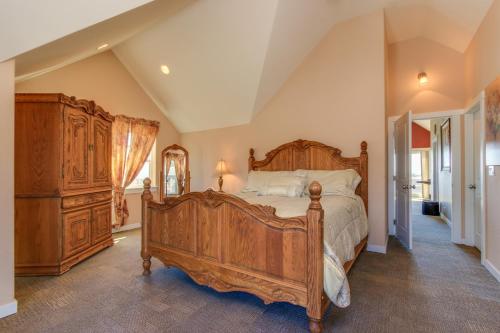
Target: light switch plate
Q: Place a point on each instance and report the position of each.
(491, 170)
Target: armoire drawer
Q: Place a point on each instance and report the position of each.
(85, 199)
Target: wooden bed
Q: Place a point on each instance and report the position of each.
(226, 243)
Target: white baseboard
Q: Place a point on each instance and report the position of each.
(492, 269)
(467, 242)
(8, 309)
(126, 227)
(444, 218)
(378, 248)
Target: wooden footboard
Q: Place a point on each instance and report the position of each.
(228, 244)
(224, 242)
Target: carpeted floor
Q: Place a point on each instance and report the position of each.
(440, 287)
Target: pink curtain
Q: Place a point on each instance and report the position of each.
(132, 143)
(180, 168)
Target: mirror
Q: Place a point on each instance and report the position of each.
(174, 177)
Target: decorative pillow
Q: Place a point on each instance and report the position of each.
(340, 182)
(257, 180)
(283, 190)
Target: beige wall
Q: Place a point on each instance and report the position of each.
(335, 96)
(104, 79)
(482, 66)
(444, 67)
(7, 302)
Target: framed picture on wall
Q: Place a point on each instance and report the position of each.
(445, 146)
(492, 130)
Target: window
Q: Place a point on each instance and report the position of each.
(147, 171)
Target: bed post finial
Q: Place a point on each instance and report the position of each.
(364, 147)
(251, 159)
(315, 195)
(146, 197)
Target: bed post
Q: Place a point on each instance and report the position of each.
(315, 259)
(146, 257)
(363, 168)
(251, 159)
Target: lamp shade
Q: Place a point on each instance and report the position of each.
(221, 167)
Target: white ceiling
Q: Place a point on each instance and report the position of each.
(25, 25)
(227, 58)
(452, 23)
(84, 43)
(215, 51)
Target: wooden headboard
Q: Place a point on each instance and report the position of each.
(312, 155)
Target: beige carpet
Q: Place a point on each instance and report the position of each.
(441, 287)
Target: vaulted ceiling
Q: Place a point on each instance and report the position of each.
(452, 23)
(227, 58)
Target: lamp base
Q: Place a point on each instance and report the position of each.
(221, 181)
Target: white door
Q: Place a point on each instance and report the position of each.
(402, 147)
(473, 212)
(476, 187)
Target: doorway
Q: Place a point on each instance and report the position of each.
(422, 176)
(428, 165)
(431, 158)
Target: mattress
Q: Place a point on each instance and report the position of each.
(345, 225)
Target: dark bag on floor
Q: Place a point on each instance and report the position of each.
(430, 208)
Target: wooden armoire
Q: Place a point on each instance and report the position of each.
(62, 182)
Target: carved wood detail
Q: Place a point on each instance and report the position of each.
(86, 106)
(213, 199)
(225, 278)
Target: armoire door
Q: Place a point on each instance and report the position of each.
(101, 223)
(76, 232)
(76, 149)
(101, 152)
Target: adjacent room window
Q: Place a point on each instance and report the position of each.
(147, 171)
(416, 174)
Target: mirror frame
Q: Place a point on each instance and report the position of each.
(187, 177)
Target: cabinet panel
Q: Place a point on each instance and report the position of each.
(101, 223)
(37, 148)
(76, 149)
(76, 232)
(101, 152)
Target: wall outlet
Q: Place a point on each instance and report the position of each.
(491, 170)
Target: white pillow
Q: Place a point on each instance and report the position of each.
(341, 182)
(283, 190)
(257, 180)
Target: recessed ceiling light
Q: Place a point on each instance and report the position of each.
(103, 46)
(165, 70)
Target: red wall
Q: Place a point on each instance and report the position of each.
(421, 138)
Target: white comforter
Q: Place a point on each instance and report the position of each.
(345, 225)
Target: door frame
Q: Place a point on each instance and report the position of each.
(456, 147)
(477, 105)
